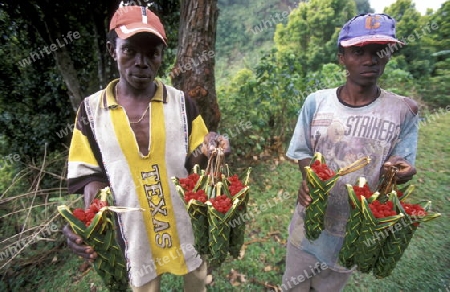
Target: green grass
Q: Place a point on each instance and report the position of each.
(424, 266)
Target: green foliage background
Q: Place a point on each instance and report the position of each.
(302, 58)
(270, 55)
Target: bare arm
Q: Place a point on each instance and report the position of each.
(90, 190)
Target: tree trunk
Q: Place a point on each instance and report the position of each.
(69, 74)
(194, 67)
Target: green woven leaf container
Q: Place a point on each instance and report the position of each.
(353, 229)
(239, 208)
(398, 240)
(101, 235)
(219, 236)
(198, 212)
(237, 233)
(319, 191)
(373, 234)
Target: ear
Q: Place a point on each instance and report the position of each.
(341, 58)
(111, 50)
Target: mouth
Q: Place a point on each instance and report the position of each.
(140, 76)
(370, 73)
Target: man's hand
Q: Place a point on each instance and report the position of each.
(74, 241)
(405, 171)
(303, 194)
(76, 244)
(212, 141)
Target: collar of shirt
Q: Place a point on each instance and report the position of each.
(109, 101)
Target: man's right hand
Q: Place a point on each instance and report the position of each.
(76, 244)
(303, 194)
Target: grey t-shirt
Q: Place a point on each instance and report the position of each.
(386, 127)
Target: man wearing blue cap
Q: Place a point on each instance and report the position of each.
(352, 121)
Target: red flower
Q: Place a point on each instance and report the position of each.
(79, 213)
(362, 191)
(235, 185)
(189, 182)
(221, 203)
(413, 209)
(380, 210)
(87, 216)
(322, 170)
(199, 195)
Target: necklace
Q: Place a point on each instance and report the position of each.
(143, 115)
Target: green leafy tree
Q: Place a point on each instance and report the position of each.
(435, 89)
(397, 80)
(33, 100)
(245, 28)
(312, 31)
(41, 87)
(263, 103)
(363, 6)
(441, 35)
(330, 75)
(413, 32)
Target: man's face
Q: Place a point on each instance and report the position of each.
(363, 63)
(138, 58)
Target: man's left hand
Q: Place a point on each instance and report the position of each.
(212, 141)
(405, 171)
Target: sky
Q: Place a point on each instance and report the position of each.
(421, 5)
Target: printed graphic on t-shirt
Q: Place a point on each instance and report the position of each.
(155, 199)
(346, 139)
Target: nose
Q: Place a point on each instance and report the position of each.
(141, 60)
(371, 59)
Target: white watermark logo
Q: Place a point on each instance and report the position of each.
(40, 53)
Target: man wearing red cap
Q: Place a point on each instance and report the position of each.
(140, 133)
(352, 121)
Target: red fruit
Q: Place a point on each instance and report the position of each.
(221, 203)
(87, 216)
(90, 215)
(413, 209)
(96, 205)
(322, 170)
(188, 183)
(235, 185)
(362, 191)
(382, 210)
(79, 213)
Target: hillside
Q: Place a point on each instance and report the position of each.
(244, 29)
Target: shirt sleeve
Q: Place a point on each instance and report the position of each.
(84, 164)
(197, 129)
(300, 146)
(406, 145)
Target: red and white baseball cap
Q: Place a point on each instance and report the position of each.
(129, 20)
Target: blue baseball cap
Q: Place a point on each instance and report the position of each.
(369, 28)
